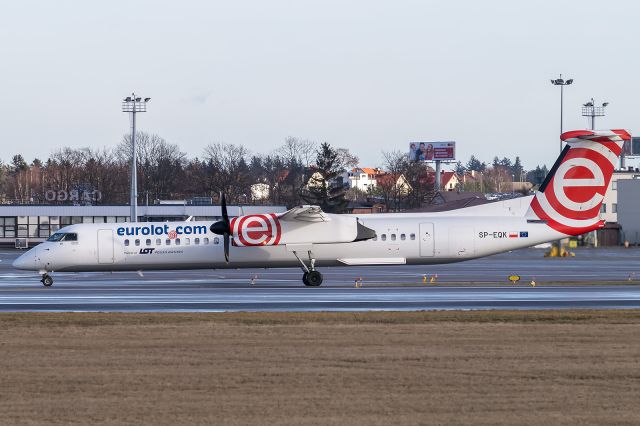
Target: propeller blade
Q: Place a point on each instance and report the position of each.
(223, 226)
(223, 205)
(226, 247)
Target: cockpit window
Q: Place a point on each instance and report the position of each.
(56, 237)
(63, 236)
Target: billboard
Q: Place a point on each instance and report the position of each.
(431, 151)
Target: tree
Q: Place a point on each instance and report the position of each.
(347, 159)
(322, 189)
(460, 169)
(475, 164)
(159, 164)
(297, 150)
(537, 175)
(396, 164)
(421, 178)
(228, 172)
(505, 162)
(516, 169)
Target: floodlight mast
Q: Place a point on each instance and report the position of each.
(133, 105)
(560, 82)
(589, 109)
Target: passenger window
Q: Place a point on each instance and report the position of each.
(148, 241)
(196, 241)
(205, 240)
(393, 237)
(187, 241)
(412, 236)
(168, 242)
(403, 237)
(126, 243)
(158, 242)
(384, 237)
(137, 242)
(177, 241)
(216, 240)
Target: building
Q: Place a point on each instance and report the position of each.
(609, 209)
(394, 182)
(628, 211)
(37, 222)
(449, 181)
(363, 178)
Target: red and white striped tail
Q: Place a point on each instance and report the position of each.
(570, 197)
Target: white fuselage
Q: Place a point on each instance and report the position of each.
(402, 238)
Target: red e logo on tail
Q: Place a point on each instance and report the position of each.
(572, 199)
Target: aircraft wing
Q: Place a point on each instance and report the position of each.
(305, 214)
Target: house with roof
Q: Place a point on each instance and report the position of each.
(363, 178)
(449, 181)
(396, 182)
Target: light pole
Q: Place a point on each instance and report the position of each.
(133, 105)
(560, 82)
(592, 111)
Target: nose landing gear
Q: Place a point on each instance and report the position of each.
(46, 280)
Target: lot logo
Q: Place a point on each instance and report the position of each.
(256, 230)
(571, 200)
(147, 250)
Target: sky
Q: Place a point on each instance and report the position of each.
(370, 76)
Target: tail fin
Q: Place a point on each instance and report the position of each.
(570, 197)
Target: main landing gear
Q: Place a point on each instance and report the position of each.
(46, 280)
(311, 277)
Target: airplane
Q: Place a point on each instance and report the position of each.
(566, 204)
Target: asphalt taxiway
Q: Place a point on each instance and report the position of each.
(479, 284)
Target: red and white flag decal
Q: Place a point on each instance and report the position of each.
(256, 230)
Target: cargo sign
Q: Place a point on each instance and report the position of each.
(432, 151)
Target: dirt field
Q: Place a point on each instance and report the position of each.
(342, 369)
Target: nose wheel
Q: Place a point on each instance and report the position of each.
(47, 280)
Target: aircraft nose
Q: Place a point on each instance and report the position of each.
(26, 261)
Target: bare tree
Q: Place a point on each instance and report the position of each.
(228, 171)
(347, 159)
(396, 164)
(298, 150)
(160, 164)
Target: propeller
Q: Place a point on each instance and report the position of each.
(223, 227)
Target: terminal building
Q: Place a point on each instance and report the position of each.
(32, 224)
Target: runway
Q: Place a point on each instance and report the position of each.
(478, 284)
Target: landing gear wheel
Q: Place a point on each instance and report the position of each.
(305, 278)
(314, 278)
(47, 280)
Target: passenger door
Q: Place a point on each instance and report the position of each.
(105, 246)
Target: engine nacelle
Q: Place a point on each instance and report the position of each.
(270, 230)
